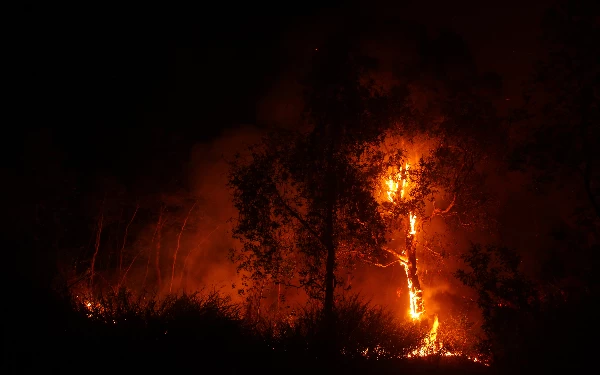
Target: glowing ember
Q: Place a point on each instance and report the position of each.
(430, 346)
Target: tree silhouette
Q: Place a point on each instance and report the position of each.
(306, 195)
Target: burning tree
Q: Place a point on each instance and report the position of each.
(366, 167)
(427, 178)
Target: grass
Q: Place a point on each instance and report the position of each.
(122, 331)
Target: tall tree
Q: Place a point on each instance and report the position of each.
(306, 194)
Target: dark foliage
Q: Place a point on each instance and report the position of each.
(204, 332)
(362, 331)
(528, 325)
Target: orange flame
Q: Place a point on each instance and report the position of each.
(414, 300)
(392, 183)
(431, 345)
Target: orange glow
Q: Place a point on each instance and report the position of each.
(415, 311)
(392, 189)
(415, 300)
(430, 345)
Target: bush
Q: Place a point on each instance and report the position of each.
(123, 331)
(361, 331)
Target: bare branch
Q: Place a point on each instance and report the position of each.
(385, 265)
(400, 257)
(137, 206)
(178, 243)
(97, 245)
(299, 217)
(440, 212)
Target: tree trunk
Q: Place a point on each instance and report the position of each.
(97, 246)
(157, 258)
(125, 239)
(411, 273)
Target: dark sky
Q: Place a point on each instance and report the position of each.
(124, 88)
(128, 93)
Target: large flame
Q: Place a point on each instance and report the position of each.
(393, 183)
(408, 259)
(417, 309)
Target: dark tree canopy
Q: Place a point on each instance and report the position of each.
(306, 194)
(560, 125)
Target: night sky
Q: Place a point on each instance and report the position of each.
(117, 86)
(126, 94)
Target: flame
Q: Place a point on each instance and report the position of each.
(416, 303)
(404, 180)
(431, 345)
(392, 188)
(415, 300)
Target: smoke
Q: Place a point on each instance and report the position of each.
(208, 262)
(205, 242)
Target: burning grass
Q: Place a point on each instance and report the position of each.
(121, 330)
(208, 320)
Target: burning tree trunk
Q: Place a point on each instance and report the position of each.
(409, 257)
(414, 285)
(125, 239)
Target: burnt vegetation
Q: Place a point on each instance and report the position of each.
(265, 261)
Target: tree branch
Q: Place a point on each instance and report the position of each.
(386, 265)
(298, 217)
(439, 212)
(402, 259)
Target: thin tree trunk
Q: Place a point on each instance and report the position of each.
(122, 281)
(146, 273)
(125, 239)
(97, 245)
(178, 245)
(149, 255)
(157, 254)
(411, 273)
